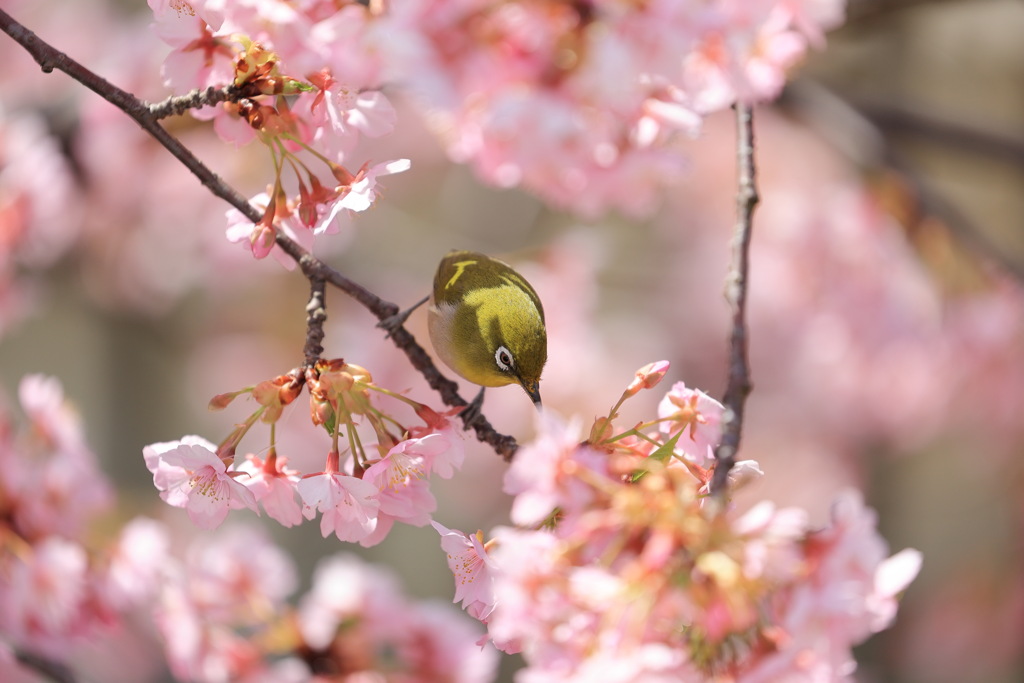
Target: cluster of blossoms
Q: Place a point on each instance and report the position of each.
(620, 570)
(223, 615)
(50, 490)
(308, 88)
(358, 499)
(220, 607)
(580, 102)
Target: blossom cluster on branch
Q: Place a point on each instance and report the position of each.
(359, 498)
(619, 572)
(618, 563)
(220, 605)
(578, 102)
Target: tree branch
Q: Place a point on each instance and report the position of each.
(197, 99)
(739, 384)
(316, 316)
(55, 671)
(869, 135)
(147, 116)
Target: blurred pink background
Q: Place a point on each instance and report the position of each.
(886, 307)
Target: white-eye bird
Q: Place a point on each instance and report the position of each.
(487, 323)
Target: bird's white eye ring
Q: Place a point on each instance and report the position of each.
(503, 357)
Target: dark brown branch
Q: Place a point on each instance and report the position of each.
(316, 316)
(739, 384)
(55, 671)
(868, 135)
(142, 113)
(198, 99)
(864, 11)
(1005, 147)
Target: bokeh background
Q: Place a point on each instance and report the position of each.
(887, 313)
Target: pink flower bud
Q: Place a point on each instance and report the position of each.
(262, 240)
(221, 401)
(648, 376)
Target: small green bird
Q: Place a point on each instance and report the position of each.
(487, 323)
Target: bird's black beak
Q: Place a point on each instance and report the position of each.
(533, 391)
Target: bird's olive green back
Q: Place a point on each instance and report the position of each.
(464, 271)
(494, 306)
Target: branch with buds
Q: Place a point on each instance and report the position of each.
(148, 116)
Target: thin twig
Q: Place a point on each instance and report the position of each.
(142, 113)
(739, 384)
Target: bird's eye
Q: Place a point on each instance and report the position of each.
(504, 359)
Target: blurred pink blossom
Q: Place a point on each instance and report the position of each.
(50, 478)
(357, 614)
(137, 563)
(39, 222)
(581, 104)
(545, 474)
(43, 604)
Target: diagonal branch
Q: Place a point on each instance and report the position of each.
(51, 669)
(147, 116)
(739, 384)
(198, 99)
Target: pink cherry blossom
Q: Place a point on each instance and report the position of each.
(440, 442)
(743, 472)
(403, 493)
(240, 231)
(399, 478)
(529, 590)
(648, 376)
(471, 565)
(699, 418)
(336, 115)
(439, 643)
(363, 190)
(198, 647)
(273, 488)
(651, 663)
(189, 474)
(545, 473)
(348, 506)
(38, 190)
(849, 594)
